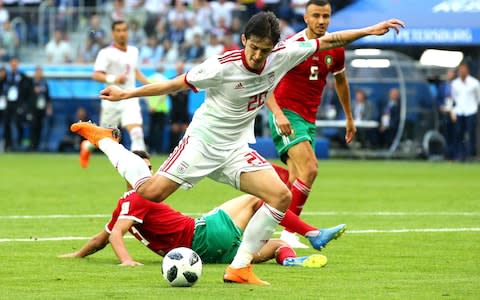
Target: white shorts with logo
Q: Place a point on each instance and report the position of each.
(121, 113)
(193, 160)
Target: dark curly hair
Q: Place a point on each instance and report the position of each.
(263, 25)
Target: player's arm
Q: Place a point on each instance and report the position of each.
(95, 244)
(176, 84)
(281, 120)
(141, 77)
(343, 91)
(103, 77)
(345, 37)
(118, 244)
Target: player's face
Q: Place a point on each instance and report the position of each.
(317, 19)
(120, 34)
(256, 51)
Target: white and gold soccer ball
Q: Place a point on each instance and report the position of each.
(181, 267)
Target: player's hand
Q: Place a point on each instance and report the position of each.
(112, 93)
(121, 79)
(283, 124)
(130, 263)
(385, 26)
(350, 131)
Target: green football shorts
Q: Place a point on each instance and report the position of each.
(216, 237)
(302, 131)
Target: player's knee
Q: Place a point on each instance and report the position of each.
(284, 198)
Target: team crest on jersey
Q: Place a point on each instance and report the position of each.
(328, 60)
(182, 167)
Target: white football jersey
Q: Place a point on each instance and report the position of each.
(235, 93)
(112, 60)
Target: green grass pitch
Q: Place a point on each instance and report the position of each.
(413, 233)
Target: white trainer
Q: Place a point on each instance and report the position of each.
(292, 240)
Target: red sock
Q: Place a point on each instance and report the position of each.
(293, 223)
(284, 252)
(283, 174)
(300, 193)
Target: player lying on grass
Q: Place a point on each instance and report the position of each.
(215, 236)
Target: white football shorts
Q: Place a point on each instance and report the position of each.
(193, 160)
(121, 113)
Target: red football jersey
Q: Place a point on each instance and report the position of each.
(157, 225)
(300, 90)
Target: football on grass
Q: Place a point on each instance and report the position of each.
(181, 267)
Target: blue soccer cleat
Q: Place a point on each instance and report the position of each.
(311, 261)
(326, 235)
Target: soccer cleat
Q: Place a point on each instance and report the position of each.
(242, 275)
(84, 153)
(310, 261)
(292, 240)
(95, 133)
(326, 235)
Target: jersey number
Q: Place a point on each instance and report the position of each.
(313, 73)
(254, 159)
(256, 101)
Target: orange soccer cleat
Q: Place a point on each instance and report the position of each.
(95, 133)
(84, 153)
(242, 275)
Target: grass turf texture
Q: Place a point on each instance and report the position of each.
(362, 265)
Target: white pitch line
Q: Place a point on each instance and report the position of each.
(362, 231)
(306, 213)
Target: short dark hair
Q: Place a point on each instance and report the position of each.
(263, 25)
(117, 22)
(142, 154)
(317, 2)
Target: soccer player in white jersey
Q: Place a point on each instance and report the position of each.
(215, 145)
(117, 65)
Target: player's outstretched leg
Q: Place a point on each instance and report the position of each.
(310, 261)
(325, 235)
(242, 275)
(292, 240)
(94, 133)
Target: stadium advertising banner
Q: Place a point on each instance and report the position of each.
(429, 22)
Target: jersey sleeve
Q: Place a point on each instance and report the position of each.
(101, 61)
(134, 208)
(205, 75)
(114, 218)
(339, 61)
(299, 51)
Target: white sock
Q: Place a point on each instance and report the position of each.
(136, 138)
(257, 233)
(130, 166)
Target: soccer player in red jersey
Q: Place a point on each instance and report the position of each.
(293, 114)
(215, 236)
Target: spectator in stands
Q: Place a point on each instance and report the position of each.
(446, 113)
(179, 116)
(466, 94)
(203, 15)
(171, 54)
(214, 47)
(18, 90)
(9, 42)
(179, 12)
(136, 12)
(58, 50)
(151, 52)
(229, 44)
(3, 103)
(195, 53)
(136, 35)
(158, 108)
(222, 9)
(298, 7)
(236, 30)
(364, 110)
(155, 11)
(4, 15)
(71, 142)
(40, 107)
(176, 32)
(286, 30)
(96, 31)
(117, 10)
(192, 29)
(390, 118)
